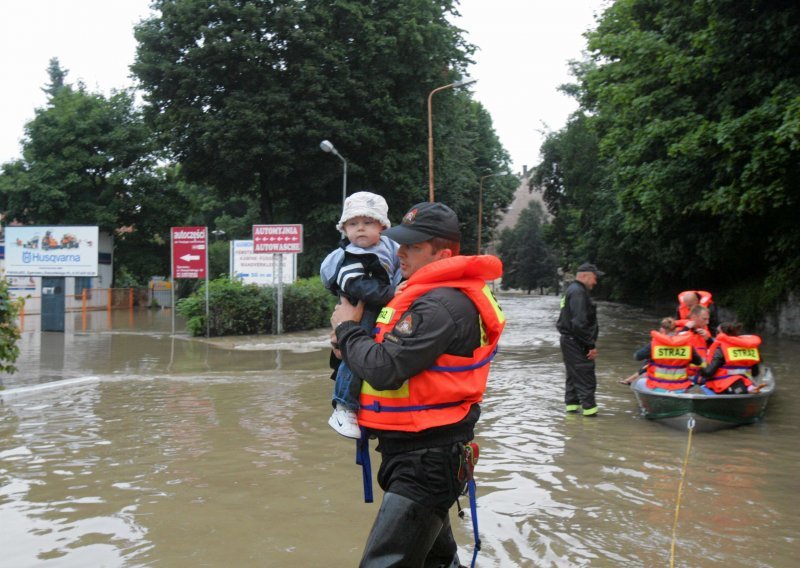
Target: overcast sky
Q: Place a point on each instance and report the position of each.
(524, 49)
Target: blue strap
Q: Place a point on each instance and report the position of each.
(477, 365)
(362, 459)
(473, 509)
(376, 406)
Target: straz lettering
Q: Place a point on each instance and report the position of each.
(679, 352)
(742, 353)
(385, 316)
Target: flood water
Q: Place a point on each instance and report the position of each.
(168, 451)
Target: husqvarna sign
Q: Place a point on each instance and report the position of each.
(51, 251)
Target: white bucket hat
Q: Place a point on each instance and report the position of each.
(365, 204)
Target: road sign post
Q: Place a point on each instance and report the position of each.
(189, 253)
(278, 239)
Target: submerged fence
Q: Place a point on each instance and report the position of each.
(91, 300)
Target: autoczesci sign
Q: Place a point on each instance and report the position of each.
(189, 249)
(52, 251)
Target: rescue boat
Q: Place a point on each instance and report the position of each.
(708, 411)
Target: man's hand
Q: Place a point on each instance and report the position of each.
(592, 355)
(346, 312)
(335, 346)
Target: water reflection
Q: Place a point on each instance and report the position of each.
(187, 453)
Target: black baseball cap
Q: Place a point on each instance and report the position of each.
(425, 221)
(589, 267)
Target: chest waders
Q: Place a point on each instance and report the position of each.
(469, 456)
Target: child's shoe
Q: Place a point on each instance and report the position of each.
(345, 422)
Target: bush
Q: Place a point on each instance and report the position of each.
(9, 332)
(238, 309)
(307, 305)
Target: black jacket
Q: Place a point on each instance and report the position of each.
(578, 317)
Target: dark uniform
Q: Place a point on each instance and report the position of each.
(577, 324)
(419, 470)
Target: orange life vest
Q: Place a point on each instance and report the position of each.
(443, 393)
(741, 353)
(705, 301)
(698, 343)
(670, 356)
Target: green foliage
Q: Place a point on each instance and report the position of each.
(9, 331)
(243, 93)
(83, 158)
(234, 309)
(125, 279)
(90, 160)
(751, 299)
(238, 309)
(528, 262)
(307, 305)
(57, 77)
(692, 111)
(218, 258)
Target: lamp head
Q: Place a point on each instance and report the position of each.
(464, 81)
(327, 146)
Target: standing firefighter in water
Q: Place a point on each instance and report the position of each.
(577, 324)
(423, 376)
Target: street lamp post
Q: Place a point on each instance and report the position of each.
(459, 83)
(480, 206)
(328, 147)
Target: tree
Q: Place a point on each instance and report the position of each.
(568, 178)
(89, 160)
(57, 76)
(527, 260)
(243, 93)
(694, 108)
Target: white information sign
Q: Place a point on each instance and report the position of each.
(260, 268)
(51, 251)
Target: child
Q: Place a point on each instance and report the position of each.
(667, 327)
(363, 267)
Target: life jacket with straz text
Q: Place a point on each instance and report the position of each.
(741, 353)
(670, 357)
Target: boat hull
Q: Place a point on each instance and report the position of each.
(709, 412)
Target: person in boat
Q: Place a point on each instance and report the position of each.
(688, 299)
(577, 324)
(667, 327)
(363, 267)
(670, 360)
(424, 374)
(732, 362)
(697, 326)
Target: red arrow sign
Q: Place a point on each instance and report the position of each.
(189, 252)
